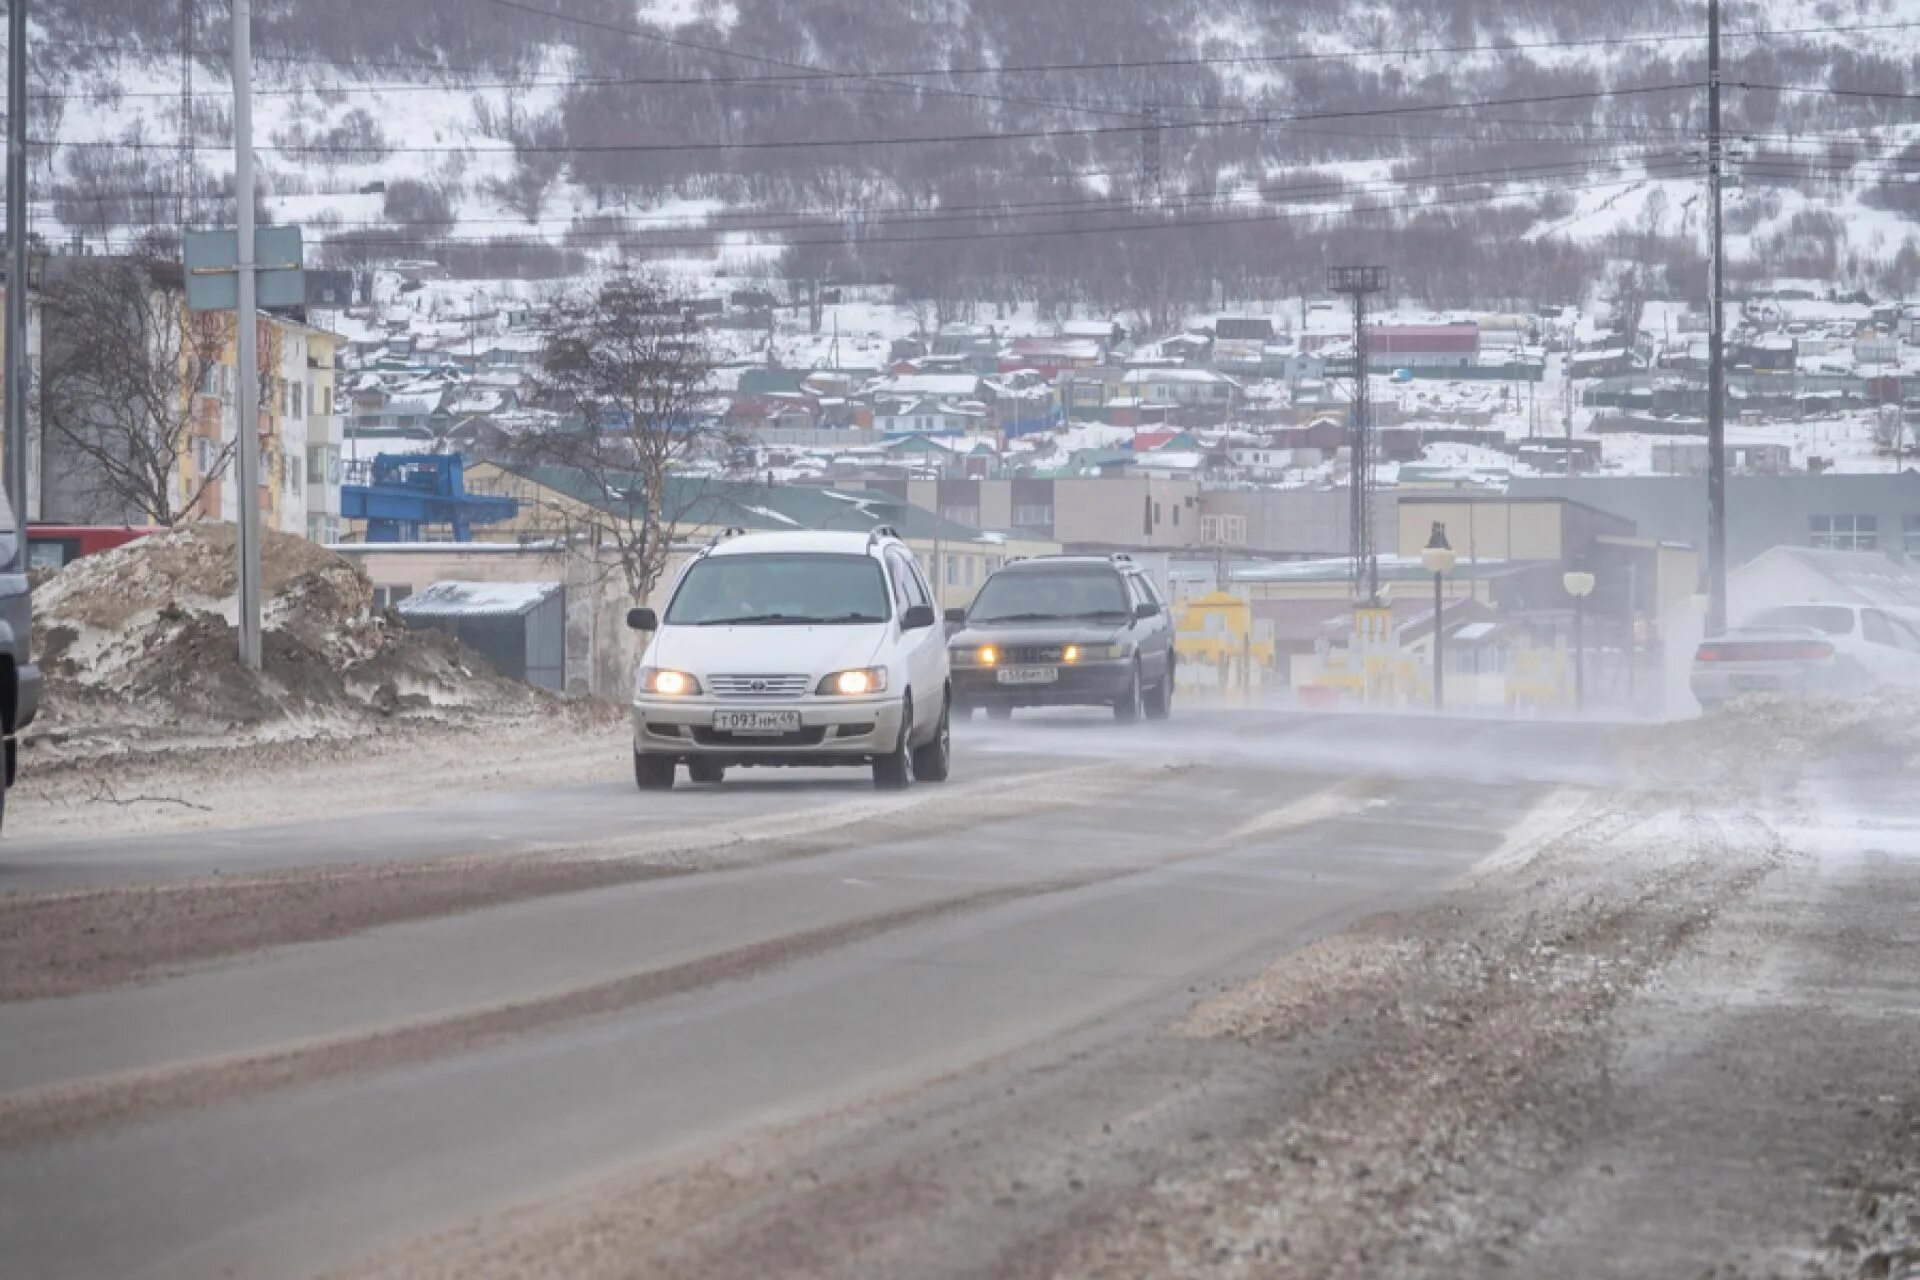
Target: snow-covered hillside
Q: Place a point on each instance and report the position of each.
(1124, 155)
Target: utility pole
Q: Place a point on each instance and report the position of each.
(247, 412)
(1357, 283)
(15, 335)
(182, 209)
(1716, 344)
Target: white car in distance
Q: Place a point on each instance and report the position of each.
(1818, 649)
(794, 649)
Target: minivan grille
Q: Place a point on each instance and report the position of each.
(759, 686)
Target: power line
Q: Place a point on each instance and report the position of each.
(166, 49)
(1159, 63)
(1172, 224)
(1054, 232)
(657, 148)
(1828, 91)
(1252, 196)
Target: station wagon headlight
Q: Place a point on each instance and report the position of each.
(968, 656)
(667, 682)
(853, 684)
(1093, 652)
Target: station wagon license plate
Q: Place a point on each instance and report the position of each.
(1029, 675)
(756, 721)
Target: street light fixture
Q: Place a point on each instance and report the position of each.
(1579, 585)
(1439, 559)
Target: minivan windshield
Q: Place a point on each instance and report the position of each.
(780, 590)
(1051, 593)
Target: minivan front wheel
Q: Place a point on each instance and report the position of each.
(931, 762)
(894, 770)
(652, 773)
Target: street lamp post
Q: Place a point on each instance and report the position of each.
(1439, 560)
(1579, 585)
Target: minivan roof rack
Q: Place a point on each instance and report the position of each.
(731, 531)
(883, 531)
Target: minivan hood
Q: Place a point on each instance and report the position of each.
(766, 650)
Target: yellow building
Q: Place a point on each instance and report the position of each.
(296, 365)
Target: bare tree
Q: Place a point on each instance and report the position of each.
(123, 366)
(628, 372)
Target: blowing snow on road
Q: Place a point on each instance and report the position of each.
(1258, 995)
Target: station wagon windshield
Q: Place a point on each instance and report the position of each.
(1011, 597)
(780, 590)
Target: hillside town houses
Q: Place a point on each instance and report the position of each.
(1222, 447)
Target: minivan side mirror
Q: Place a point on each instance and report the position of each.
(917, 617)
(1146, 609)
(958, 617)
(643, 620)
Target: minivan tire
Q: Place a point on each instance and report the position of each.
(894, 770)
(653, 773)
(932, 760)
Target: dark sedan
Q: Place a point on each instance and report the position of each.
(1065, 631)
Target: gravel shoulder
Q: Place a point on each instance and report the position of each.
(216, 783)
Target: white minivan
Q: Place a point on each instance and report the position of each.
(794, 649)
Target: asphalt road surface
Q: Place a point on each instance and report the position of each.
(294, 1106)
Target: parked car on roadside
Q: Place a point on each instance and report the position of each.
(790, 649)
(1835, 650)
(19, 678)
(1065, 631)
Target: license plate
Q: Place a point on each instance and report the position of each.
(1755, 682)
(756, 721)
(1029, 675)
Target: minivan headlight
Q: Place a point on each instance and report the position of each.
(855, 683)
(668, 683)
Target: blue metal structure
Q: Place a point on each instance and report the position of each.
(408, 492)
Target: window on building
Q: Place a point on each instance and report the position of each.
(1176, 515)
(386, 597)
(953, 571)
(1845, 532)
(1033, 516)
(1146, 516)
(1910, 535)
(295, 475)
(298, 392)
(970, 571)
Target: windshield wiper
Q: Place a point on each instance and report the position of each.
(843, 618)
(750, 619)
(1019, 617)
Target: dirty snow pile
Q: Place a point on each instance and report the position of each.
(139, 643)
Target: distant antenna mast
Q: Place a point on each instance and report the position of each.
(1150, 153)
(1357, 283)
